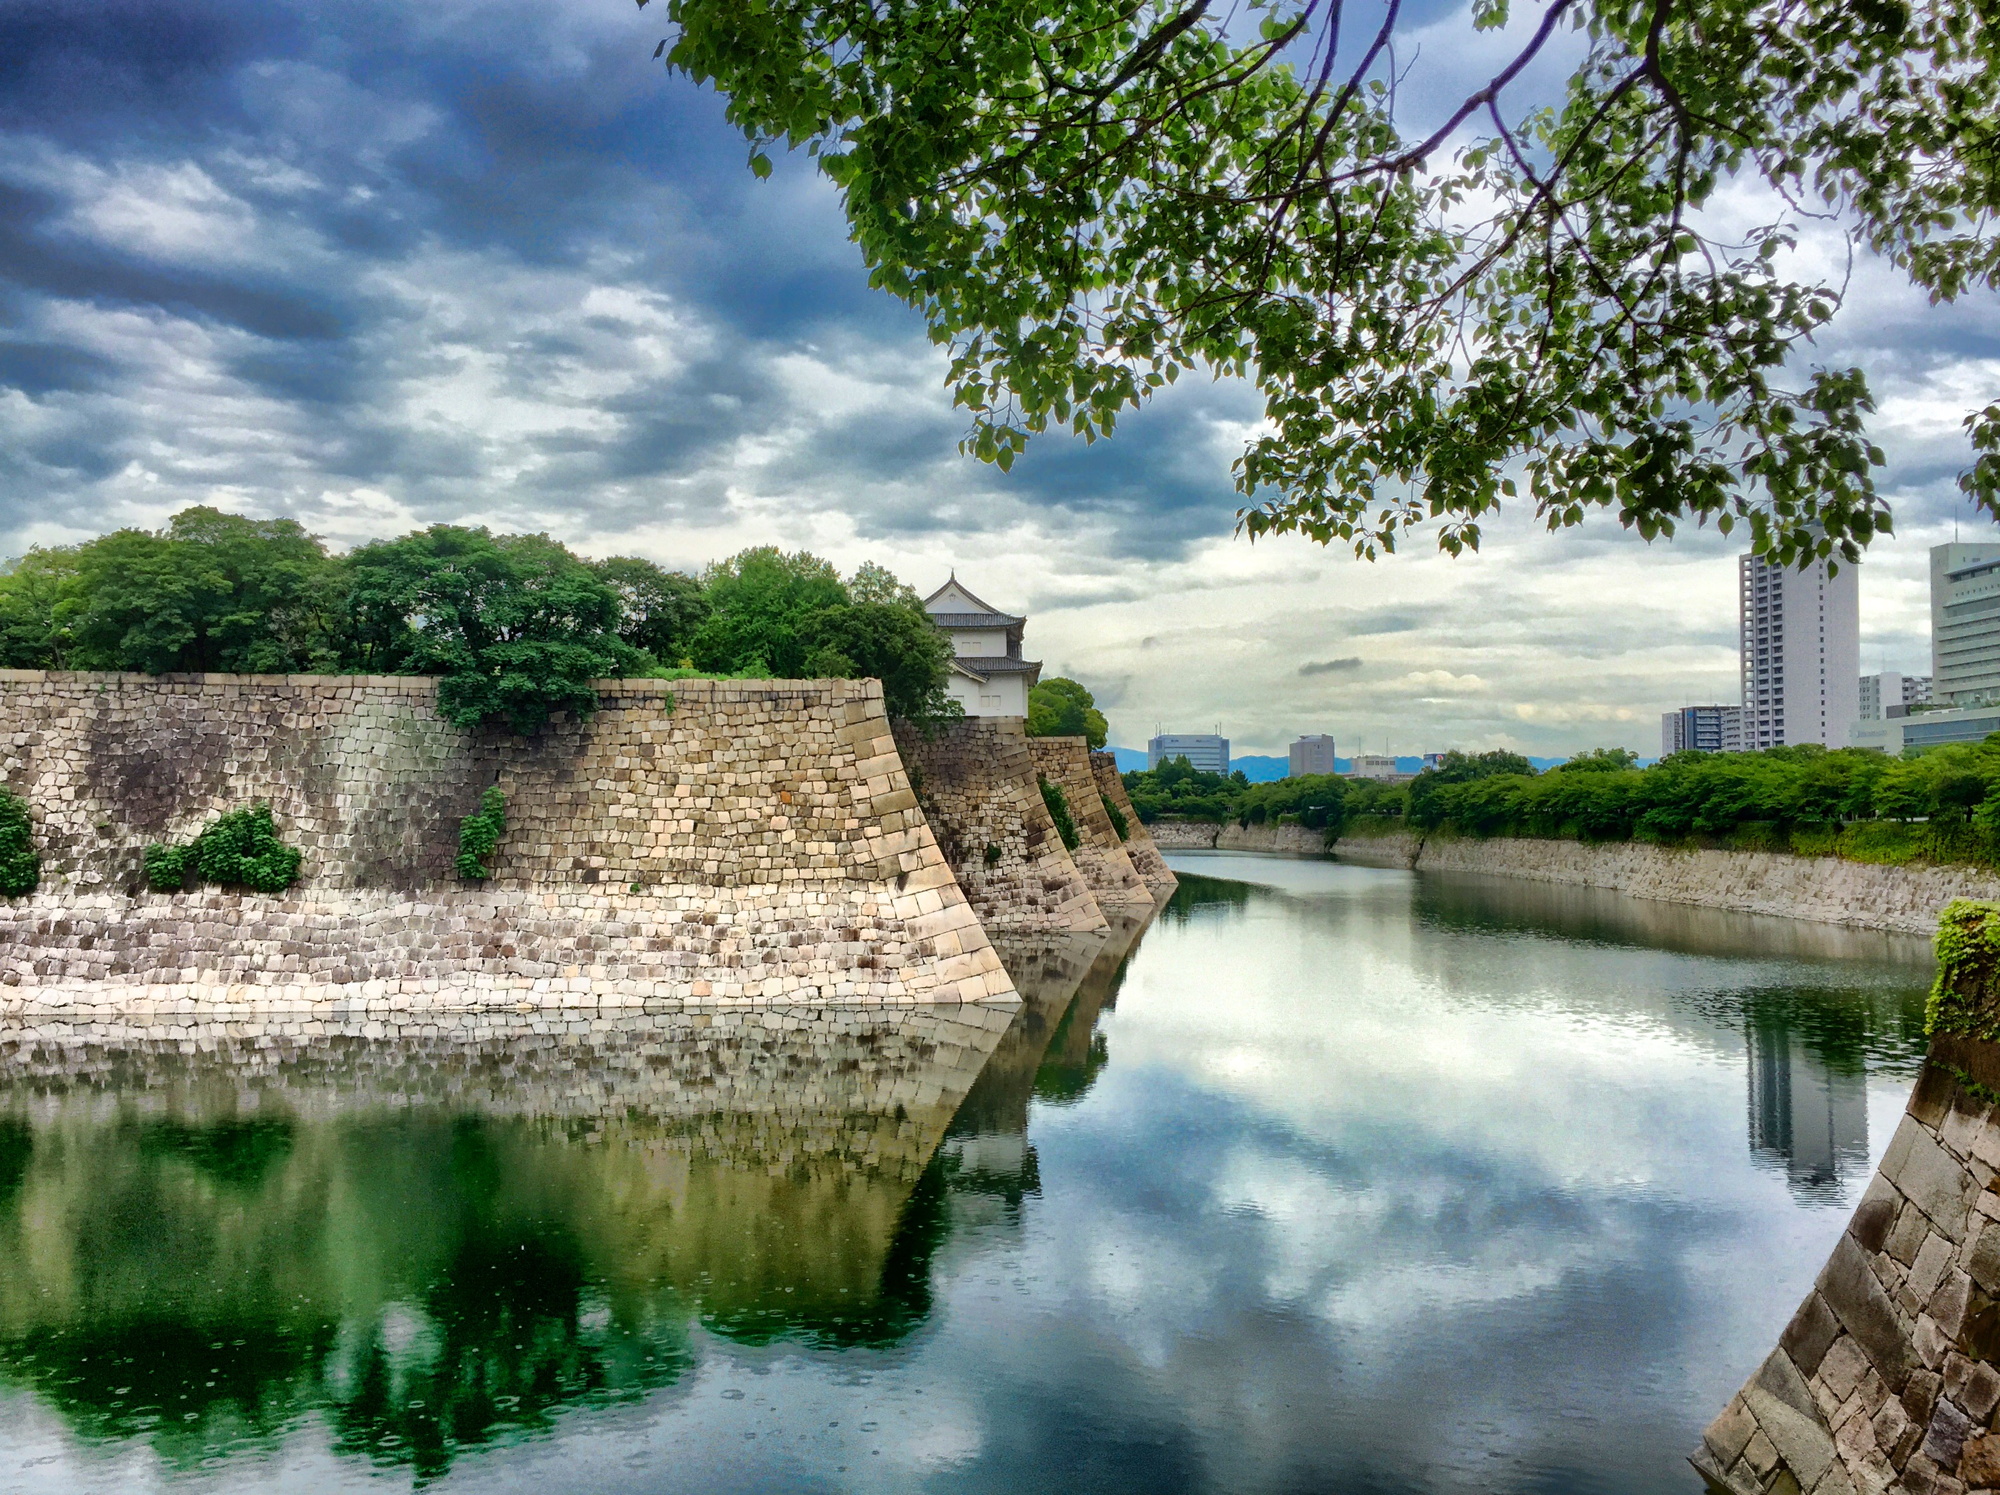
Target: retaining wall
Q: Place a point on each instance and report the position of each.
(1826, 889)
(701, 841)
(1146, 859)
(1099, 854)
(976, 783)
(1199, 835)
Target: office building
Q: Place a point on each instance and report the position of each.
(1891, 693)
(1434, 760)
(988, 675)
(1925, 729)
(1800, 634)
(1311, 755)
(1965, 624)
(1708, 729)
(1373, 766)
(1203, 750)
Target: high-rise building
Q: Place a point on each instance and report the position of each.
(1965, 624)
(1311, 755)
(1710, 729)
(1800, 635)
(1203, 750)
(1891, 694)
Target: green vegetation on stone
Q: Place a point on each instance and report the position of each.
(20, 865)
(516, 627)
(1059, 707)
(1965, 998)
(479, 833)
(240, 849)
(1058, 803)
(1117, 817)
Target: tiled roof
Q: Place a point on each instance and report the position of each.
(976, 620)
(983, 664)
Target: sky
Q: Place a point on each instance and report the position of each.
(377, 265)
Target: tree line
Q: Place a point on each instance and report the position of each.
(517, 626)
(1939, 804)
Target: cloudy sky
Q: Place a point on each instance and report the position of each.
(373, 265)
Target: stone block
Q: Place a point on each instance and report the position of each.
(1864, 1310)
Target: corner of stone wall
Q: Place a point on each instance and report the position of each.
(1099, 854)
(1139, 844)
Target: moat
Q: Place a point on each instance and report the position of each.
(1331, 1179)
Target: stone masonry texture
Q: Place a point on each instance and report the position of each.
(1888, 1376)
(1099, 854)
(691, 842)
(976, 782)
(1146, 859)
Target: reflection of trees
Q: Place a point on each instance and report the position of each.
(1077, 1052)
(1215, 894)
(202, 1275)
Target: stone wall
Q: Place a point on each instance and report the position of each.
(1828, 890)
(976, 783)
(1146, 859)
(1201, 835)
(1099, 854)
(695, 842)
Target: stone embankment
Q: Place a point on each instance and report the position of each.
(1886, 1378)
(976, 782)
(1200, 835)
(703, 841)
(1825, 889)
(1146, 859)
(1099, 854)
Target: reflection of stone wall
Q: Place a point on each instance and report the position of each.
(1099, 854)
(741, 841)
(1886, 1377)
(977, 787)
(1146, 859)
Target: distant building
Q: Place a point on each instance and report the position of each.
(1800, 635)
(1311, 755)
(1434, 760)
(1965, 624)
(988, 675)
(1932, 728)
(1892, 694)
(1373, 766)
(1203, 751)
(1711, 729)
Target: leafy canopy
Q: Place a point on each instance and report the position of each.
(1059, 707)
(1089, 198)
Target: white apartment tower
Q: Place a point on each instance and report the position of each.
(1801, 653)
(1965, 624)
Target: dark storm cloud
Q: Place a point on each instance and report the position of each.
(1343, 666)
(488, 261)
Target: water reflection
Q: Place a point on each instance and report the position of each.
(441, 1237)
(1336, 1179)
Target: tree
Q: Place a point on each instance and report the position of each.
(34, 633)
(1601, 760)
(516, 625)
(1088, 198)
(658, 610)
(762, 604)
(1062, 708)
(212, 591)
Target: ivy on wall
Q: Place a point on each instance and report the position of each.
(1117, 815)
(1963, 999)
(1058, 803)
(479, 833)
(238, 850)
(20, 866)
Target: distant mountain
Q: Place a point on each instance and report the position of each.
(1261, 770)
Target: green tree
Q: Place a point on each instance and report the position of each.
(516, 625)
(34, 627)
(1601, 760)
(763, 611)
(212, 591)
(1059, 707)
(658, 610)
(1088, 198)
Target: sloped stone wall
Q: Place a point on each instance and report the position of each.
(976, 783)
(1099, 854)
(1146, 859)
(700, 841)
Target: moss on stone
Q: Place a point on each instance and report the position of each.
(1965, 999)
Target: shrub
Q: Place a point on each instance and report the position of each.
(238, 850)
(1058, 803)
(20, 867)
(1117, 817)
(479, 833)
(992, 853)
